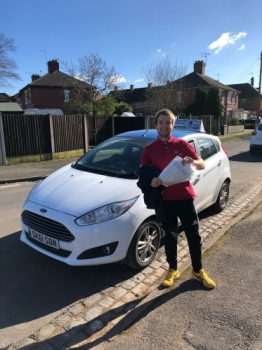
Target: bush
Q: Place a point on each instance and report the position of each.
(233, 121)
(249, 126)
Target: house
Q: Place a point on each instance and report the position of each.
(4, 97)
(185, 87)
(50, 91)
(249, 97)
(10, 108)
(137, 98)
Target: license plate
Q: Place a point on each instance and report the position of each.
(51, 242)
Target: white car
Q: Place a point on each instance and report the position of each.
(92, 212)
(256, 139)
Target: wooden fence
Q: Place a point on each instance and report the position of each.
(33, 138)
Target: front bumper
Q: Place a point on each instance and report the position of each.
(106, 242)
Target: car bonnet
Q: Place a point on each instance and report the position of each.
(76, 192)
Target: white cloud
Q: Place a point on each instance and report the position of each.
(173, 45)
(226, 39)
(139, 81)
(118, 79)
(242, 47)
(163, 54)
(159, 50)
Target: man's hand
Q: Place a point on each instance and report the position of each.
(187, 160)
(156, 182)
(199, 164)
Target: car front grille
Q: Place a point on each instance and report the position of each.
(47, 226)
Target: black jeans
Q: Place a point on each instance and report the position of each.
(186, 212)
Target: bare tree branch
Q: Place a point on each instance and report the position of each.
(7, 64)
(99, 79)
(166, 92)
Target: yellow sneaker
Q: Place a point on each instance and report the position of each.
(202, 277)
(170, 277)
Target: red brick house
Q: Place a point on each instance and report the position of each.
(186, 91)
(249, 97)
(4, 97)
(50, 91)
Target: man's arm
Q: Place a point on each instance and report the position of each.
(198, 163)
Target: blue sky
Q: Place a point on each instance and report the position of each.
(130, 34)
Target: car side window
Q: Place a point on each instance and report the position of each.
(206, 147)
(192, 144)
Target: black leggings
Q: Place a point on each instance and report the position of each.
(186, 212)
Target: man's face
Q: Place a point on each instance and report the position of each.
(164, 126)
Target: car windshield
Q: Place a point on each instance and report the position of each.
(118, 156)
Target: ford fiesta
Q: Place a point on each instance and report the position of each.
(92, 212)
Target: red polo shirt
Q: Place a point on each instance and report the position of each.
(160, 153)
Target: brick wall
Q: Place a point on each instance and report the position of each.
(47, 97)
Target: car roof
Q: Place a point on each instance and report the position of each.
(152, 133)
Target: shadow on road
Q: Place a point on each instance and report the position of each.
(246, 157)
(34, 285)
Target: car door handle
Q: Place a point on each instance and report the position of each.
(196, 179)
(219, 162)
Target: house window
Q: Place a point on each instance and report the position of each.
(246, 100)
(66, 94)
(179, 96)
(145, 104)
(29, 95)
(26, 97)
(137, 105)
(229, 97)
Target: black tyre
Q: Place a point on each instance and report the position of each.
(222, 197)
(144, 245)
(251, 150)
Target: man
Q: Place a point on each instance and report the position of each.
(178, 199)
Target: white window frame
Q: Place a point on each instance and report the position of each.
(26, 97)
(179, 96)
(66, 95)
(229, 97)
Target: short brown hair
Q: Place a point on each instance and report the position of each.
(166, 112)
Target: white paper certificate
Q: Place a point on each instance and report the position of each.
(175, 172)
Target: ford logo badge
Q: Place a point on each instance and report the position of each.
(43, 210)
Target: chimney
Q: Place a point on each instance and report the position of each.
(132, 87)
(199, 67)
(252, 81)
(149, 85)
(34, 77)
(53, 66)
(116, 88)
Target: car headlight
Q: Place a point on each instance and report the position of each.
(107, 212)
(33, 189)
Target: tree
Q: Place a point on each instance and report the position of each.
(106, 106)
(199, 104)
(166, 91)
(207, 102)
(213, 104)
(7, 64)
(99, 78)
(122, 107)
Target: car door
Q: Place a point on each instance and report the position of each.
(213, 172)
(197, 181)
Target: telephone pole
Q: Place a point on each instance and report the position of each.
(259, 88)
